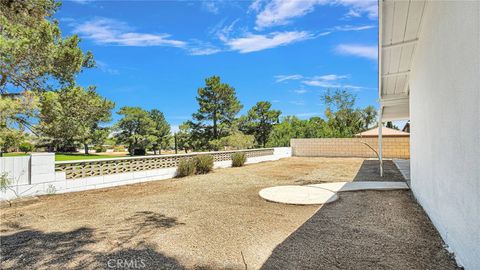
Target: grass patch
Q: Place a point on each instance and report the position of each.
(68, 157)
(14, 154)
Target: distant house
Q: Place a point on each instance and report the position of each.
(386, 132)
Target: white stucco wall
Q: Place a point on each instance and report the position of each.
(445, 124)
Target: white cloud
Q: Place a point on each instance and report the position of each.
(330, 77)
(210, 6)
(281, 78)
(326, 84)
(256, 5)
(204, 51)
(104, 67)
(359, 7)
(365, 51)
(252, 43)
(300, 91)
(281, 12)
(108, 31)
(345, 28)
(325, 81)
(222, 30)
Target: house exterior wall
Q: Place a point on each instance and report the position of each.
(393, 147)
(444, 122)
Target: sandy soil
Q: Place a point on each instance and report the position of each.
(218, 221)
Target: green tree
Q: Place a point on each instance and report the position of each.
(73, 115)
(390, 124)
(369, 115)
(184, 137)
(259, 121)
(160, 131)
(236, 140)
(15, 112)
(218, 107)
(290, 127)
(134, 128)
(343, 119)
(34, 55)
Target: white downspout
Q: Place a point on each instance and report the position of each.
(380, 111)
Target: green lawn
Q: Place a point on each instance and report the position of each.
(14, 154)
(65, 157)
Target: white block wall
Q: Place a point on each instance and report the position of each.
(17, 168)
(445, 124)
(47, 180)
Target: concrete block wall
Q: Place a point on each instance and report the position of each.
(16, 168)
(48, 181)
(393, 147)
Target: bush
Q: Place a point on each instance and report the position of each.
(100, 149)
(139, 152)
(26, 147)
(118, 148)
(204, 164)
(238, 159)
(186, 167)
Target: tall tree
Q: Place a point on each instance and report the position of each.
(184, 137)
(343, 119)
(290, 127)
(73, 115)
(259, 121)
(218, 107)
(369, 115)
(34, 55)
(134, 128)
(160, 131)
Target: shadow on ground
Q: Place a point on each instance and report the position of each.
(364, 230)
(370, 171)
(34, 249)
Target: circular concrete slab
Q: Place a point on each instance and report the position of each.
(298, 195)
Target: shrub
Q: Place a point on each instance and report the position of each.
(139, 152)
(238, 159)
(26, 147)
(204, 164)
(118, 148)
(186, 167)
(100, 148)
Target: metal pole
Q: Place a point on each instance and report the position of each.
(380, 154)
(380, 111)
(176, 146)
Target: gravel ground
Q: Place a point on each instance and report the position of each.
(218, 221)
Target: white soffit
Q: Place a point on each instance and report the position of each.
(400, 29)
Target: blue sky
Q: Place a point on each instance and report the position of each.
(155, 54)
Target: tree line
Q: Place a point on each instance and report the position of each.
(41, 102)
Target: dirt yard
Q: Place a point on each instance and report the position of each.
(218, 221)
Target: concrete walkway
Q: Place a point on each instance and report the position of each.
(403, 166)
(322, 193)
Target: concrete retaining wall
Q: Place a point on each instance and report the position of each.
(49, 182)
